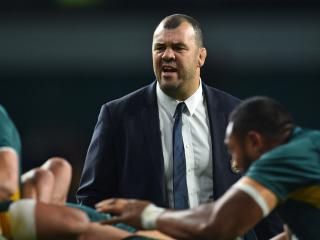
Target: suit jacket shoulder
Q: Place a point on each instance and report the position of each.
(219, 100)
(128, 104)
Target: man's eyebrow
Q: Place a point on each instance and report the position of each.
(177, 44)
(159, 43)
(180, 44)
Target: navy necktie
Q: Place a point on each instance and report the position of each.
(180, 190)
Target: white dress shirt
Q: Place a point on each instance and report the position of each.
(197, 145)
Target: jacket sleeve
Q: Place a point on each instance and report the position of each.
(99, 177)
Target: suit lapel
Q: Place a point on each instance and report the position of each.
(217, 121)
(151, 131)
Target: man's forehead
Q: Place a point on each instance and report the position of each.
(184, 29)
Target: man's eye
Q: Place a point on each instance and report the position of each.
(179, 48)
(159, 48)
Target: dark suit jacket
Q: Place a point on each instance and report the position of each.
(125, 156)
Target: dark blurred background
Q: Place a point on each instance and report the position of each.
(60, 60)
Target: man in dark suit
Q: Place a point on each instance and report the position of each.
(165, 142)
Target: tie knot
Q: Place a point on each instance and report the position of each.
(180, 108)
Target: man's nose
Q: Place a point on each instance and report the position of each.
(168, 54)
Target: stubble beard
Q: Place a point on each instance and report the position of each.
(178, 87)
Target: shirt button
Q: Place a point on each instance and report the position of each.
(187, 145)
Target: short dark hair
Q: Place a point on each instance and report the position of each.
(261, 114)
(173, 21)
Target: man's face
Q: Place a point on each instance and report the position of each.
(177, 59)
(241, 153)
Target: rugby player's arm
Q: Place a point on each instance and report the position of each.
(9, 172)
(234, 214)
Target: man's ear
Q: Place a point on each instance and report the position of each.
(202, 56)
(255, 141)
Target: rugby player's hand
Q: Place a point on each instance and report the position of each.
(126, 211)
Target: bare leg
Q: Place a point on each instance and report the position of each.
(38, 184)
(62, 172)
(102, 232)
(60, 222)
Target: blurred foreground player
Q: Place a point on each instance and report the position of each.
(282, 171)
(29, 219)
(48, 183)
(35, 218)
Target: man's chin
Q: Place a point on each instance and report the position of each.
(168, 84)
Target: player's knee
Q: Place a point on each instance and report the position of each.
(58, 164)
(38, 176)
(43, 176)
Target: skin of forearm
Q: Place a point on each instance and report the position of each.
(8, 174)
(6, 192)
(232, 215)
(188, 224)
(8, 186)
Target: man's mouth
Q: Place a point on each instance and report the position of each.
(168, 69)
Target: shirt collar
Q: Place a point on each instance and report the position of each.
(170, 104)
